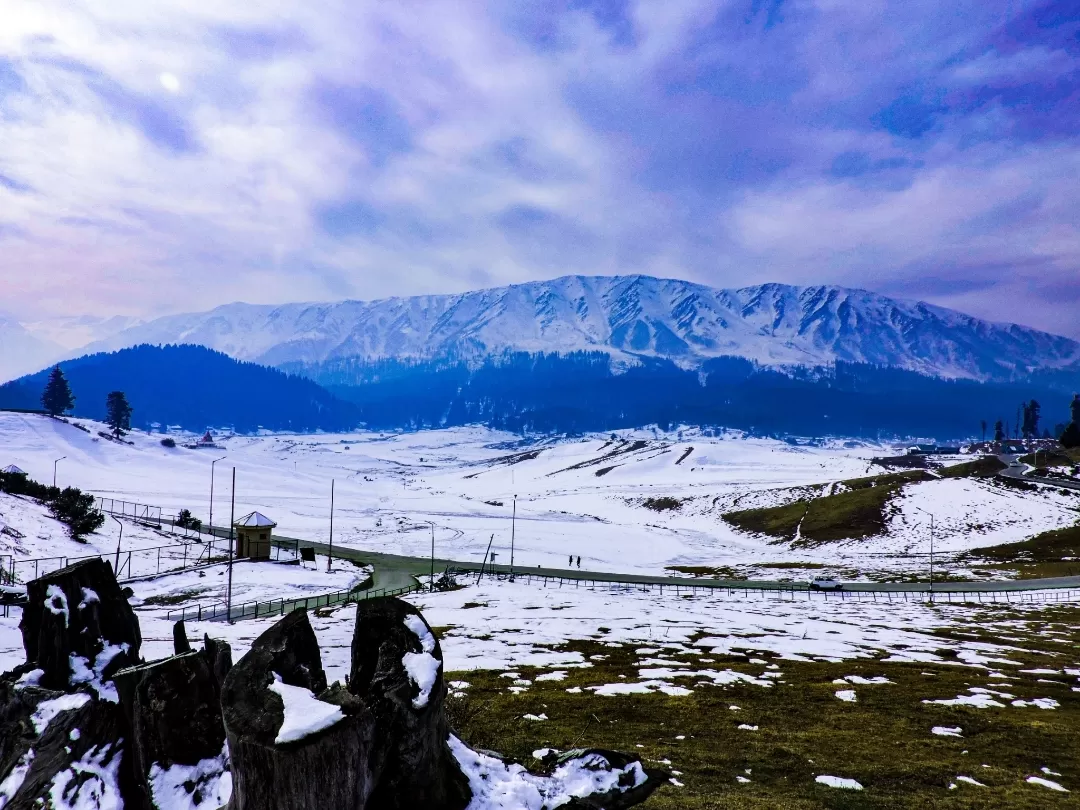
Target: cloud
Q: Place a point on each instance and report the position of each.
(177, 155)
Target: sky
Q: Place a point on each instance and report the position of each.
(168, 156)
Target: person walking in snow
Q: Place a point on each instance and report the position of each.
(579, 562)
(571, 563)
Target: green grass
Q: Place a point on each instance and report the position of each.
(1053, 458)
(859, 512)
(1040, 556)
(883, 740)
(982, 467)
(712, 572)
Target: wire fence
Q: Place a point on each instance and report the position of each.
(219, 611)
(128, 509)
(678, 587)
(135, 563)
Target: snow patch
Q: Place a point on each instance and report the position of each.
(48, 709)
(305, 714)
(838, 782)
(56, 602)
(422, 667)
(91, 783)
(207, 784)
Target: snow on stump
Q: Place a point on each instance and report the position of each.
(397, 672)
(173, 709)
(78, 627)
(61, 745)
(293, 743)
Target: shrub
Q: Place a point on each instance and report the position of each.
(168, 441)
(187, 521)
(76, 508)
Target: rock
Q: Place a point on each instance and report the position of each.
(219, 653)
(626, 793)
(78, 616)
(416, 767)
(330, 767)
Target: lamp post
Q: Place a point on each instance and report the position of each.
(330, 554)
(931, 550)
(431, 583)
(116, 562)
(513, 526)
(54, 470)
(212, 463)
(232, 546)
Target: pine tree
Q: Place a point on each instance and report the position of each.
(983, 424)
(118, 412)
(1071, 436)
(999, 431)
(57, 396)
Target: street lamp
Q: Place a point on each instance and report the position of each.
(116, 563)
(232, 547)
(513, 526)
(931, 550)
(330, 554)
(431, 584)
(212, 463)
(54, 470)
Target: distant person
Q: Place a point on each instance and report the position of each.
(571, 563)
(579, 562)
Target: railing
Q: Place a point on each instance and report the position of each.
(793, 592)
(129, 509)
(218, 611)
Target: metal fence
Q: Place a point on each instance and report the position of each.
(218, 611)
(795, 592)
(129, 509)
(134, 563)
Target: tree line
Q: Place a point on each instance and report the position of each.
(1026, 425)
(57, 399)
(70, 505)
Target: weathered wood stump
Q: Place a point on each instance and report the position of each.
(273, 770)
(173, 710)
(397, 672)
(79, 615)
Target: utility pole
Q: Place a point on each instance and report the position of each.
(212, 463)
(116, 563)
(513, 524)
(54, 470)
(232, 547)
(431, 586)
(931, 551)
(330, 555)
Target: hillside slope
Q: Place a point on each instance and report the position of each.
(190, 386)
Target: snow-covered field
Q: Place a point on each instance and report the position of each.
(580, 497)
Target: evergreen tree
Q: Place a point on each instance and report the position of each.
(999, 431)
(1030, 428)
(1071, 437)
(118, 412)
(57, 396)
(983, 425)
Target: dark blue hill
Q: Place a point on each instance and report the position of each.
(191, 386)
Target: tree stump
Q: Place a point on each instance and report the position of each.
(329, 768)
(416, 767)
(79, 611)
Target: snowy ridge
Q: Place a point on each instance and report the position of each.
(627, 317)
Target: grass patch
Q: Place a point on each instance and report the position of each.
(176, 598)
(883, 740)
(1049, 546)
(720, 572)
(1053, 458)
(856, 513)
(662, 504)
(800, 565)
(982, 467)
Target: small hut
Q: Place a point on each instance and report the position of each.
(11, 469)
(254, 533)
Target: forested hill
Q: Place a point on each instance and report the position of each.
(191, 386)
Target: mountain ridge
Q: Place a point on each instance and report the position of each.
(629, 318)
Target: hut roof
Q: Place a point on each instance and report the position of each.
(11, 469)
(255, 519)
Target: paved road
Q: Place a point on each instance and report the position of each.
(396, 571)
(1016, 470)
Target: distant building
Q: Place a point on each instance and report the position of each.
(932, 450)
(205, 443)
(254, 534)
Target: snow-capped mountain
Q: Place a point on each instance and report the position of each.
(627, 317)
